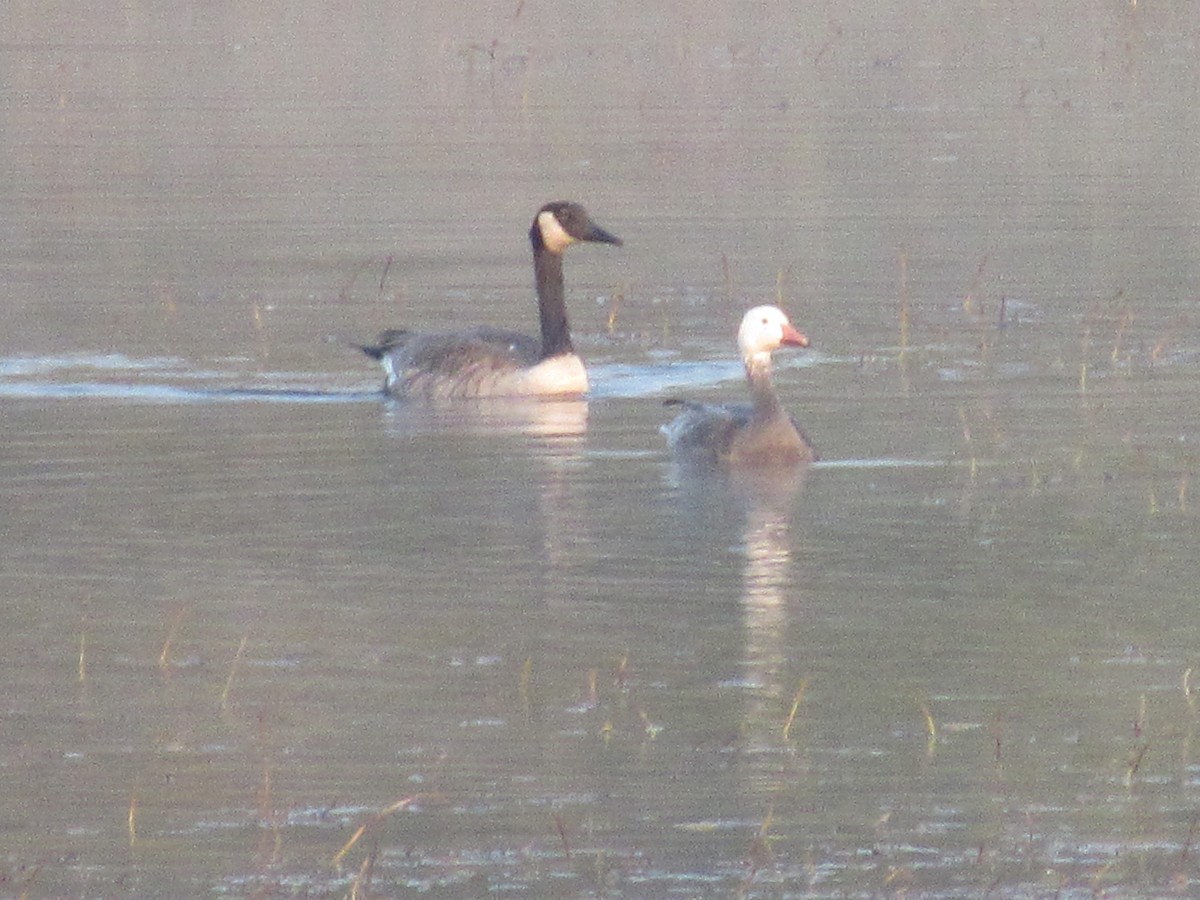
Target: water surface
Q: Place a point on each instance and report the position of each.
(253, 607)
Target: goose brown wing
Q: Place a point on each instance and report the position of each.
(479, 348)
(705, 429)
(474, 363)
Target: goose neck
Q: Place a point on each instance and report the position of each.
(762, 391)
(552, 305)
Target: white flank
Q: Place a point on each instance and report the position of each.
(564, 374)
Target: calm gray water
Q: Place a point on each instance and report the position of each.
(265, 633)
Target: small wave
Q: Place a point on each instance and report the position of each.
(627, 380)
(883, 463)
(167, 379)
(159, 379)
(29, 366)
(165, 393)
(621, 380)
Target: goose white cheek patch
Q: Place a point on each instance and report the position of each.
(554, 236)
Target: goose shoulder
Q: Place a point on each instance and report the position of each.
(705, 430)
(778, 442)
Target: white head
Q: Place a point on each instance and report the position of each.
(766, 328)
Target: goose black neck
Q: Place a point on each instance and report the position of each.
(552, 303)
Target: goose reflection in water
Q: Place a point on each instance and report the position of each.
(542, 419)
(768, 584)
(759, 505)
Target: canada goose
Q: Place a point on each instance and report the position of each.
(493, 362)
(759, 433)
